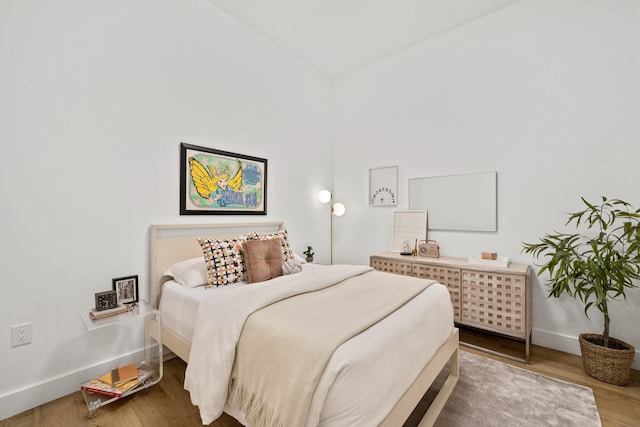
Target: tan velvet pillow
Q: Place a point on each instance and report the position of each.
(263, 259)
(282, 235)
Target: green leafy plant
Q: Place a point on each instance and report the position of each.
(597, 265)
(309, 252)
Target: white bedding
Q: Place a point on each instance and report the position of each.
(365, 376)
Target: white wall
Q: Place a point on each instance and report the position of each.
(544, 92)
(95, 98)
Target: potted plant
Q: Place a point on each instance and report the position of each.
(596, 266)
(309, 253)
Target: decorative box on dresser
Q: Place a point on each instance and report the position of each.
(494, 299)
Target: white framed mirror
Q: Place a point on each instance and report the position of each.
(466, 202)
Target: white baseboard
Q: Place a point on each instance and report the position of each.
(31, 396)
(566, 343)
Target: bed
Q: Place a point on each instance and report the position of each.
(417, 355)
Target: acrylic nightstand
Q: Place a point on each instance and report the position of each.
(150, 358)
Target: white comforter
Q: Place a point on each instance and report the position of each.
(220, 320)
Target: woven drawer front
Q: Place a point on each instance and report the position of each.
(494, 301)
(445, 275)
(390, 266)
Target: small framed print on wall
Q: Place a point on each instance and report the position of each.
(383, 186)
(126, 289)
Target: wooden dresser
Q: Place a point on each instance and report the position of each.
(494, 299)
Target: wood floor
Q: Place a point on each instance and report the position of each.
(168, 404)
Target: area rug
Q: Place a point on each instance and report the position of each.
(491, 393)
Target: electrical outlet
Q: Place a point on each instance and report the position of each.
(21, 334)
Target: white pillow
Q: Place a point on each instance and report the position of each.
(299, 258)
(190, 272)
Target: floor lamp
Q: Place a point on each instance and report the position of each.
(337, 209)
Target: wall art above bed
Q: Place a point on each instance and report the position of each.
(214, 182)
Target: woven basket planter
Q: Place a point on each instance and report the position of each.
(610, 365)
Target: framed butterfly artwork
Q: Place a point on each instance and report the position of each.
(215, 182)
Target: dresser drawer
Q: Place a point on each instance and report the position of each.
(494, 301)
(391, 266)
(448, 276)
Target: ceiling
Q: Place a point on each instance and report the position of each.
(340, 35)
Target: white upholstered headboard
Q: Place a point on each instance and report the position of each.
(171, 243)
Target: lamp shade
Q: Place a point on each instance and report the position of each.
(338, 209)
(324, 196)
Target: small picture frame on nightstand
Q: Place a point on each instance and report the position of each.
(126, 289)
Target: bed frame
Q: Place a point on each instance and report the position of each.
(169, 244)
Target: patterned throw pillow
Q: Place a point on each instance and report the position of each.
(224, 260)
(282, 235)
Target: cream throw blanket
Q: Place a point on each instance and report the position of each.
(221, 316)
(285, 346)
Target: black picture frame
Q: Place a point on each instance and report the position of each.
(126, 289)
(203, 171)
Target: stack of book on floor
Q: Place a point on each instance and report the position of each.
(117, 381)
